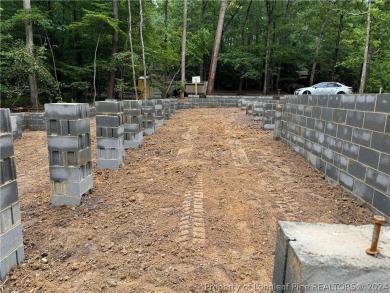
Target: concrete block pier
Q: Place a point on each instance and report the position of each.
(133, 124)
(11, 238)
(110, 134)
(149, 112)
(69, 145)
(159, 115)
(330, 258)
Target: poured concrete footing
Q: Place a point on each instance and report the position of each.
(330, 258)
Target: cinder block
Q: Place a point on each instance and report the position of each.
(331, 128)
(115, 143)
(384, 163)
(66, 173)
(67, 111)
(365, 102)
(356, 169)
(375, 121)
(109, 164)
(377, 179)
(327, 114)
(334, 144)
(350, 150)
(5, 121)
(113, 121)
(344, 132)
(134, 140)
(70, 158)
(109, 107)
(332, 172)
(381, 202)
(348, 102)
(323, 101)
(362, 137)
(341, 161)
(334, 101)
(319, 125)
(387, 130)
(306, 261)
(6, 144)
(6, 220)
(339, 116)
(363, 191)
(381, 142)
(16, 125)
(383, 103)
(7, 170)
(57, 200)
(369, 157)
(11, 240)
(133, 127)
(355, 118)
(346, 181)
(8, 194)
(114, 132)
(71, 189)
(132, 112)
(328, 155)
(110, 153)
(71, 143)
(312, 100)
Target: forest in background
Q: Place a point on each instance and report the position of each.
(265, 45)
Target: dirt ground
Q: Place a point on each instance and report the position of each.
(197, 205)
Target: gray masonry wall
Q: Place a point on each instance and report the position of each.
(149, 113)
(219, 101)
(347, 137)
(11, 238)
(70, 155)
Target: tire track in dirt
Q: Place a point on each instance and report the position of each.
(192, 224)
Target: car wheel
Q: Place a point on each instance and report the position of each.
(341, 93)
(306, 93)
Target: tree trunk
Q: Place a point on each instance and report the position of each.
(337, 48)
(317, 52)
(366, 51)
(132, 51)
(114, 49)
(240, 86)
(29, 45)
(142, 46)
(94, 68)
(266, 62)
(217, 42)
(183, 50)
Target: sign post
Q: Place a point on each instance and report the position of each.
(196, 80)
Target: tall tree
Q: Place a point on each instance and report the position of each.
(132, 51)
(114, 50)
(183, 50)
(142, 45)
(366, 51)
(316, 53)
(29, 44)
(217, 43)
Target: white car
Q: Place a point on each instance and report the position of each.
(325, 88)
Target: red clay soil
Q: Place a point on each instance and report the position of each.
(197, 205)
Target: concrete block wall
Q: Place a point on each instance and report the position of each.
(110, 134)
(149, 112)
(208, 102)
(133, 124)
(70, 156)
(11, 238)
(347, 137)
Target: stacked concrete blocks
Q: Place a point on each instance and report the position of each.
(149, 111)
(257, 111)
(133, 124)
(269, 111)
(159, 115)
(70, 156)
(174, 105)
(348, 138)
(11, 238)
(167, 108)
(110, 134)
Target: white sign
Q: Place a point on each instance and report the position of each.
(196, 79)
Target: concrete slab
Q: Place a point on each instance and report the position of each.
(330, 257)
